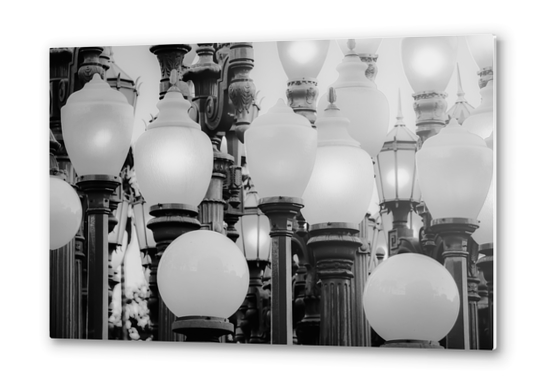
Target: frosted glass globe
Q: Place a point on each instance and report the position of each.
(303, 58)
(97, 125)
(480, 121)
(429, 62)
(341, 184)
(411, 297)
(203, 273)
(281, 149)
(481, 48)
(173, 157)
(65, 213)
(362, 103)
(455, 168)
(484, 233)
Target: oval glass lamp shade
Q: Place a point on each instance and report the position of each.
(480, 121)
(429, 62)
(484, 233)
(362, 103)
(203, 273)
(302, 59)
(65, 212)
(341, 185)
(173, 157)
(482, 48)
(362, 45)
(97, 125)
(455, 169)
(281, 149)
(411, 297)
(253, 227)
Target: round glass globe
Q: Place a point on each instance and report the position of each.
(484, 233)
(302, 59)
(173, 157)
(66, 213)
(281, 149)
(203, 273)
(455, 168)
(481, 48)
(411, 297)
(429, 62)
(97, 125)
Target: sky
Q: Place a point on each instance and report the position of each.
(271, 82)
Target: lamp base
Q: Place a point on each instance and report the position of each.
(205, 329)
(423, 344)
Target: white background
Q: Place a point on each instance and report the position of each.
(28, 30)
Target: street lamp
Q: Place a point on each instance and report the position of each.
(336, 199)
(411, 301)
(281, 150)
(203, 279)
(396, 179)
(97, 124)
(454, 171)
(361, 102)
(366, 51)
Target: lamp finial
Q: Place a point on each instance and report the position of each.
(173, 79)
(332, 98)
(351, 44)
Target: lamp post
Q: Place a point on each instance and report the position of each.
(395, 169)
(281, 149)
(455, 170)
(174, 163)
(366, 51)
(411, 301)
(336, 200)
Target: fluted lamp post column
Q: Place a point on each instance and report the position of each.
(411, 301)
(281, 149)
(455, 171)
(395, 169)
(97, 124)
(174, 162)
(336, 201)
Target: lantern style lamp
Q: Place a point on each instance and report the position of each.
(366, 50)
(481, 121)
(281, 149)
(396, 178)
(454, 171)
(97, 125)
(429, 63)
(411, 301)
(361, 102)
(461, 110)
(174, 163)
(302, 62)
(255, 242)
(336, 201)
(203, 279)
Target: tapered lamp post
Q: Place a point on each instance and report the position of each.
(411, 301)
(97, 124)
(455, 171)
(174, 162)
(336, 201)
(281, 150)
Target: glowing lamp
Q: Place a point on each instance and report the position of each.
(361, 102)
(281, 148)
(97, 125)
(411, 297)
(429, 62)
(454, 171)
(203, 273)
(480, 120)
(302, 59)
(341, 184)
(173, 157)
(484, 233)
(481, 48)
(369, 46)
(253, 227)
(65, 213)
